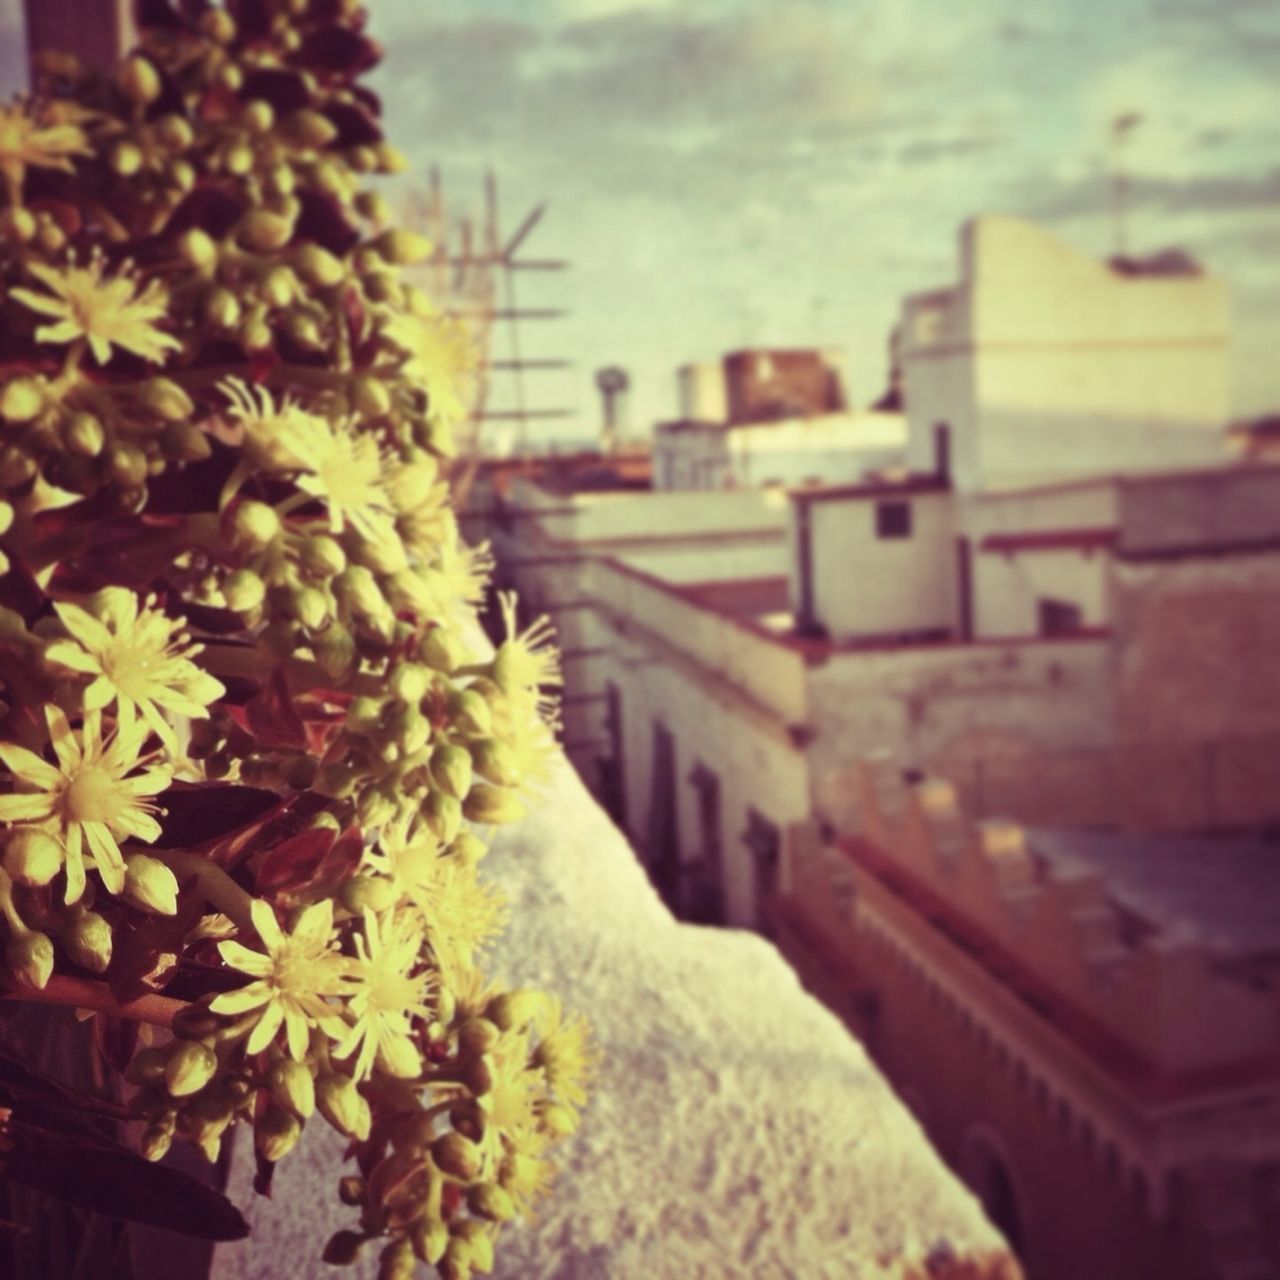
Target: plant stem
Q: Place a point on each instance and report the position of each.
(215, 886)
(79, 993)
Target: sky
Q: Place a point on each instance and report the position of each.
(729, 173)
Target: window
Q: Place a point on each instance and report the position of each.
(1059, 617)
(704, 892)
(764, 842)
(664, 827)
(893, 519)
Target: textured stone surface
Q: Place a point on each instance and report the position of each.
(735, 1131)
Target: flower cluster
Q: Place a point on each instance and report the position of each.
(244, 711)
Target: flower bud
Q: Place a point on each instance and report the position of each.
(18, 226)
(409, 682)
(305, 330)
(367, 893)
(382, 286)
(479, 1244)
(396, 1262)
(391, 159)
(32, 856)
(457, 1156)
(174, 133)
(321, 556)
(402, 248)
(127, 465)
(293, 1087)
(22, 399)
(335, 650)
(279, 287)
(476, 1036)
(318, 266)
(456, 1262)
(477, 1076)
(342, 1248)
(185, 443)
(262, 231)
(307, 128)
(238, 159)
(150, 886)
(196, 1021)
(470, 713)
(430, 1238)
(29, 955)
(559, 1120)
(351, 1190)
(441, 650)
(254, 526)
(451, 770)
(373, 205)
(443, 816)
(364, 715)
(495, 762)
(492, 806)
(190, 1067)
(339, 1101)
(87, 938)
(155, 1142)
(166, 399)
(307, 605)
(358, 589)
(258, 116)
(468, 848)
(197, 249)
(182, 174)
(370, 397)
(125, 158)
(514, 1009)
(244, 591)
(276, 1133)
(337, 779)
(221, 308)
(139, 80)
(218, 25)
(488, 1200)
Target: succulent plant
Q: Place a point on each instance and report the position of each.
(247, 724)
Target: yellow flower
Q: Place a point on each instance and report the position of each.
(293, 978)
(390, 990)
(443, 358)
(106, 312)
(139, 659)
(29, 141)
(263, 426)
(343, 469)
(566, 1054)
(526, 659)
(88, 797)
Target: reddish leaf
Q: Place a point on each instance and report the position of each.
(321, 219)
(146, 949)
(284, 90)
(197, 814)
(272, 717)
(293, 861)
(338, 50)
(115, 1040)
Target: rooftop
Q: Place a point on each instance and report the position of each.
(1222, 892)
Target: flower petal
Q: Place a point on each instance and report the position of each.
(268, 1025)
(254, 996)
(240, 957)
(29, 767)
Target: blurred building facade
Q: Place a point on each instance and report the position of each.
(1056, 612)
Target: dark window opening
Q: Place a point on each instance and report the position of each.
(1059, 617)
(764, 841)
(703, 885)
(613, 769)
(664, 827)
(893, 519)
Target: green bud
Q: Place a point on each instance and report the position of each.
(370, 396)
(218, 25)
(293, 1087)
(335, 650)
(451, 770)
(51, 237)
(155, 1143)
(321, 556)
(381, 286)
(221, 308)
(244, 590)
(197, 249)
(495, 762)
(308, 128)
(477, 1076)
(342, 1248)
(238, 159)
(468, 848)
(276, 1133)
(341, 1104)
(409, 682)
(364, 715)
(16, 467)
(29, 956)
(511, 1010)
(195, 1022)
(182, 174)
(185, 443)
(254, 526)
(443, 816)
(150, 886)
(318, 266)
(18, 226)
(32, 856)
(281, 180)
(87, 938)
(396, 1262)
(441, 650)
(456, 1262)
(492, 806)
(477, 1036)
(279, 287)
(373, 205)
(258, 116)
(457, 1156)
(190, 1067)
(471, 713)
(147, 1066)
(430, 1238)
(391, 159)
(336, 779)
(263, 232)
(309, 606)
(139, 80)
(166, 399)
(127, 465)
(402, 248)
(22, 399)
(559, 1120)
(479, 1245)
(126, 158)
(7, 616)
(488, 1200)
(358, 589)
(351, 1190)
(366, 892)
(174, 133)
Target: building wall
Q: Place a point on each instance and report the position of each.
(1008, 589)
(1056, 365)
(863, 584)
